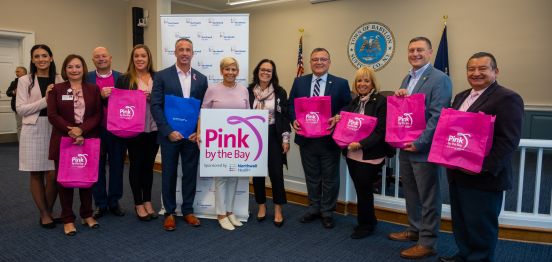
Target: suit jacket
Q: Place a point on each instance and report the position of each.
(507, 106)
(374, 145)
(336, 87)
(28, 105)
(91, 76)
(11, 92)
(166, 82)
(61, 113)
(281, 117)
(437, 88)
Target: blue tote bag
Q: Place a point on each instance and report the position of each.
(182, 114)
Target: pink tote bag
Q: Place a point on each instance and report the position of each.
(126, 112)
(313, 114)
(353, 127)
(78, 164)
(462, 140)
(405, 119)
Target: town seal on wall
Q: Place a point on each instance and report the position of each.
(372, 44)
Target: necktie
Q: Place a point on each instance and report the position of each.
(316, 91)
(469, 101)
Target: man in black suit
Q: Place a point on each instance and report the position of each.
(476, 199)
(12, 92)
(320, 156)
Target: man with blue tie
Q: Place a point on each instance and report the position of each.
(183, 81)
(476, 199)
(320, 156)
(420, 179)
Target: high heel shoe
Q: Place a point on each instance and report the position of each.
(47, 225)
(261, 219)
(279, 224)
(142, 218)
(69, 232)
(93, 225)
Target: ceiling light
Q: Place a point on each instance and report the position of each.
(241, 2)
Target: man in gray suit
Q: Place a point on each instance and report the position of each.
(420, 179)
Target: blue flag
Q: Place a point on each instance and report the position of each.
(441, 60)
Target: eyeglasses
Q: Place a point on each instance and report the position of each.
(268, 71)
(320, 59)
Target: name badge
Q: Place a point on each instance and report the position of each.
(66, 97)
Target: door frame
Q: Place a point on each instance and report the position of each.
(27, 40)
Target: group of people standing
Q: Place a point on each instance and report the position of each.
(71, 106)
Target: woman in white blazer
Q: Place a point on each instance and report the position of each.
(32, 90)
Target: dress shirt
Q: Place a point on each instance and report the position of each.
(322, 84)
(415, 76)
(472, 97)
(185, 81)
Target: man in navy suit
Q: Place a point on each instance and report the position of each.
(320, 156)
(420, 179)
(183, 81)
(112, 147)
(476, 199)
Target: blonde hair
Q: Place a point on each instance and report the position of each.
(228, 61)
(368, 73)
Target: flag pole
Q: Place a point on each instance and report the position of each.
(445, 17)
(300, 67)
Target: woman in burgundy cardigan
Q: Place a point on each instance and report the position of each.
(74, 110)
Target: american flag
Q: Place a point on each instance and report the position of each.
(300, 68)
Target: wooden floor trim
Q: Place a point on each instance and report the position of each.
(524, 234)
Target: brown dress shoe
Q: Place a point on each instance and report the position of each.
(403, 236)
(418, 251)
(170, 223)
(192, 220)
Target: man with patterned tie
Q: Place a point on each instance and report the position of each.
(320, 156)
(476, 199)
(419, 178)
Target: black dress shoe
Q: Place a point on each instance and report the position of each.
(117, 210)
(100, 212)
(142, 218)
(327, 222)
(58, 220)
(261, 219)
(47, 225)
(309, 217)
(279, 224)
(450, 259)
(361, 233)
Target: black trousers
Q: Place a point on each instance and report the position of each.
(364, 175)
(141, 153)
(275, 172)
(320, 162)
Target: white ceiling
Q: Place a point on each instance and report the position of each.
(221, 5)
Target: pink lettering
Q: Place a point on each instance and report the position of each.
(226, 140)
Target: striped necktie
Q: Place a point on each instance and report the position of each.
(316, 91)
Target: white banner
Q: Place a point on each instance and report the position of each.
(215, 36)
(233, 143)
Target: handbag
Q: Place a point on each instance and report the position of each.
(405, 119)
(126, 112)
(78, 164)
(182, 114)
(462, 140)
(313, 114)
(353, 127)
